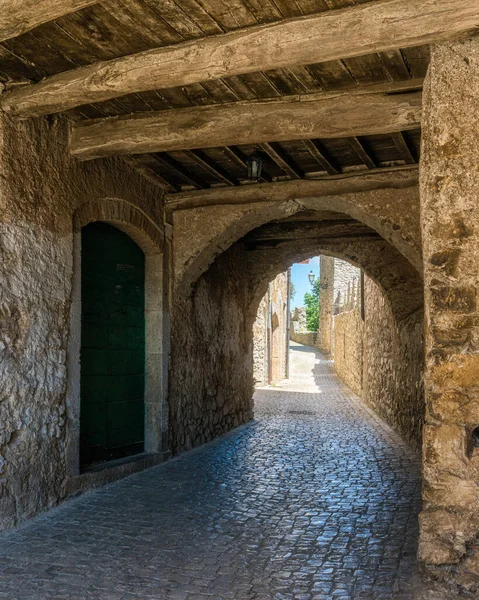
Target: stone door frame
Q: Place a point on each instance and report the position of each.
(143, 231)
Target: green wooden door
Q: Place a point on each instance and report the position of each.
(112, 345)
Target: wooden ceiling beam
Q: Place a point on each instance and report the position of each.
(395, 178)
(20, 16)
(368, 28)
(326, 115)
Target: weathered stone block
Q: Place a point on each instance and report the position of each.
(457, 299)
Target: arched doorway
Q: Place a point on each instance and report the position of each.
(112, 345)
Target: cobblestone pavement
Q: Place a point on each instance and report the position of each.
(314, 500)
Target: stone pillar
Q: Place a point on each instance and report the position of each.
(449, 186)
(326, 303)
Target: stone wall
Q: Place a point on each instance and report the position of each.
(260, 342)
(338, 291)
(271, 344)
(299, 332)
(279, 302)
(381, 359)
(40, 189)
(298, 319)
(308, 338)
(348, 330)
(211, 375)
(450, 224)
(346, 281)
(326, 303)
(393, 366)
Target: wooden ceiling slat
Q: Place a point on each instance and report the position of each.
(9, 63)
(240, 88)
(365, 69)
(403, 148)
(319, 154)
(176, 167)
(154, 100)
(139, 17)
(32, 50)
(176, 17)
(284, 82)
(264, 11)
(104, 37)
(202, 18)
(288, 8)
(342, 153)
(304, 78)
(285, 162)
(230, 14)
(134, 103)
(417, 60)
(394, 64)
(113, 32)
(67, 45)
(91, 111)
(198, 95)
(309, 7)
(413, 140)
(175, 97)
(260, 84)
(148, 161)
(332, 75)
(211, 167)
(220, 91)
(112, 107)
(362, 153)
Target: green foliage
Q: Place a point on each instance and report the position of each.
(311, 301)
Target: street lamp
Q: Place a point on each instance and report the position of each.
(311, 277)
(255, 165)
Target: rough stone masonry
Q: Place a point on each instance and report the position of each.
(209, 254)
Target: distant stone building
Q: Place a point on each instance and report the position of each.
(340, 290)
(271, 333)
(299, 328)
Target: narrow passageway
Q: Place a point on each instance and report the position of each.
(315, 499)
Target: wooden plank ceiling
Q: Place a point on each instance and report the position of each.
(115, 28)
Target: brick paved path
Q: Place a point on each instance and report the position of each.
(316, 499)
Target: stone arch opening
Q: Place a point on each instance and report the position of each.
(143, 233)
(221, 307)
(375, 208)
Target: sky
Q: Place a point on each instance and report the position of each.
(299, 278)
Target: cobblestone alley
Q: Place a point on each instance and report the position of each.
(314, 500)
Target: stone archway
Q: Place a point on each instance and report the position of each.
(138, 226)
(202, 233)
(395, 296)
(213, 318)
